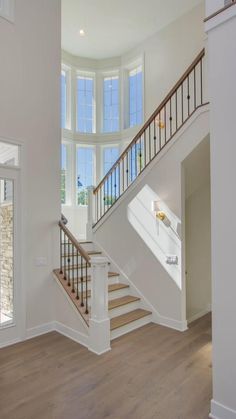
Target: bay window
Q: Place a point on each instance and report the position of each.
(85, 120)
(84, 172)
(111, 120)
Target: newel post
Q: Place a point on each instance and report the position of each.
(99, 323)
(90, 220)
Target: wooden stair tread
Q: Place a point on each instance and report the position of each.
(111, 288)
(118, 302)
(127, 318)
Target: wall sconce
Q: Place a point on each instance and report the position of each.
(160, 215)
(160, 123)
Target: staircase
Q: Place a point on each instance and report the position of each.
(126, 312)
(107, 303)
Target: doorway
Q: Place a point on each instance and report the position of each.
(10, 278)
(198, 231)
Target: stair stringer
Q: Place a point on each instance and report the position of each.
(113, 230)
(70, 323)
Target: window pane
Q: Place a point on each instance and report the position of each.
(111, 104)
(110, 155)
(63, 99)
(85, 104)
(135, 97)
(84, 172)
(64, 173)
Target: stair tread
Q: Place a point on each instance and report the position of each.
(111, 288)
(127, 318)
(118, 302)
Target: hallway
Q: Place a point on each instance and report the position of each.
(152, 373)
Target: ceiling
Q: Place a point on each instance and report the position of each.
(113, 27)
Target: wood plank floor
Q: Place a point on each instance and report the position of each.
(151, 373)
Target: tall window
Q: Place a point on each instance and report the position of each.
(63, 99)
(110, 155)
(111, 104)
(85, 104)
(135, 96)
(84, 173)
(64, 173)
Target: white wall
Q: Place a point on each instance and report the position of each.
(222, 70)
(166, 56)
(138, 243)
(30, 113)
(198, 232)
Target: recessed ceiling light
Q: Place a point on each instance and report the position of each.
(81, 32)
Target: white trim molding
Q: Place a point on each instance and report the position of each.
(219, 411)
(7, 10)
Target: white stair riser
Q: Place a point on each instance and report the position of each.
(131, 326)
(114, 294)
(118, 294)
(126, 308)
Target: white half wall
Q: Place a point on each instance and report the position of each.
(137, 242)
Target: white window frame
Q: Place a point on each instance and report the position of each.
(126, 70)
(67, 71)
(82, 145)
(113, 73)
(69, 164)
(91, 74)
(7, 10)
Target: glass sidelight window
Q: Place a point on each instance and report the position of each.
(6, 251)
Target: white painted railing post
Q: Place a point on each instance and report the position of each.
(99, 323)
(90, 220)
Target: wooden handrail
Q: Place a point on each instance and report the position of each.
(75, 242)
(152, 117)
(219, 11)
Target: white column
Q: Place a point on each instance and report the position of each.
(99, 323)
(90, 220)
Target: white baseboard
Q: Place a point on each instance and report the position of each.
(180, 325)
(10, 342)
(56, 326)
(39, 330)
(199, 314)
(219, 411)
(71, 333)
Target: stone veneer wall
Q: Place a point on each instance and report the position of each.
(6, 259)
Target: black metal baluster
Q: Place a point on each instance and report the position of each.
(194, 82)
(127, 170)
(123, 179)
(61, 257)
(144, 147)
(159, 128)
(188, 97)
(115, 184)
(176, 110)
(68, 260)
(201, 82)
(182, 102)
(155, 137)
(119, 177)
(77, 275)
(86, 288)
(82, 282)
(170, 119)
(136, 163)
(165, 121)
(73, 272)
(150, 144)
(65, 257)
